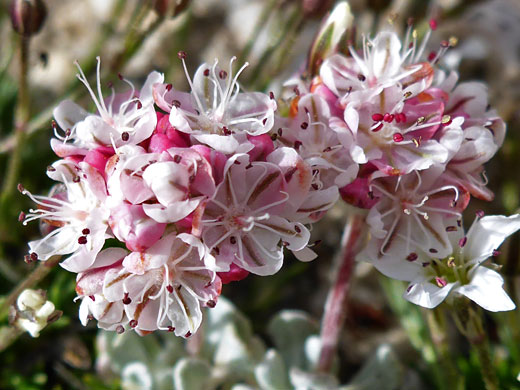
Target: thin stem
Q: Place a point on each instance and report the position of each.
(334, 315)
(269, 7)
(33, 278)
(469, 322)
(450, 378)
(20, 121)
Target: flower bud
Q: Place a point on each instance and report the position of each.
(329, 36)
(33, 312)
(27, 16)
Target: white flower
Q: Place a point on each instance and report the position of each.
(462, 272)
(33, 311)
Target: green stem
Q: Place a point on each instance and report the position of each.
(21, 119)
(449, 378)
(289, 27)
(260, 24)
(469, 321)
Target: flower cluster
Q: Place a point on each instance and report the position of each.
(163, 195)
(415, 141)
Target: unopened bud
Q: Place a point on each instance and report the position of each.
(34, 311)
(27, 16)
(329, 36)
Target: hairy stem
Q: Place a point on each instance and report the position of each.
(450, 378)
(469, 322)
(334, 315)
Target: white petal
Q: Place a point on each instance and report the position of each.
(427, 295)
(486, 290)
(487, 234)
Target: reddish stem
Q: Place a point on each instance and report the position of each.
(335, 308)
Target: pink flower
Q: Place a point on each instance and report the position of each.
(242, 223)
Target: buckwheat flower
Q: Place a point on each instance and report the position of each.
(76, 214)
(384, 62)
(462, 271)
(413, 207)
(395, 133)
(127, 118)
(160, 288)
(483, 134)
(308, 131)
(216, 113)
(244, 224)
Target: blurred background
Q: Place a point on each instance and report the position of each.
(134, 37)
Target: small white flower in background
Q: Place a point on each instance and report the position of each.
(34, 312)
(433, 278)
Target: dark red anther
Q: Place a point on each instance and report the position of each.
(279, 131)
(126, 299)
(50, 168)
(21, 216)
(296, 90)
(82, 240)
(86, 231)
(211, 303)
(222, 74)
(271, 95)
(171, 329)
(20, 188)
(133, 323)
(496, 253)
(398, 137)
(76, 179)
(169, 288)
(68, 132)
(432, 55)
(378, 127)
(233, 240)
(34, 256)
(377, 117)
(463, 241)
(297, 229)
(176, 103)
(27, 259)
(187, 334)
(412, 256)
(120, 329)
(177, 159)
(410, 288)
(125, 136)
(479, 213)
(92, 297)
(433, 24)
(249, 166)
(304, 125)
(433, 250)
(139, 105)
(297, 144)
(169, 87)
(264, 121)
(120, 76)
(206, 72)
(182, 55)
(315, 186)
(361, 77)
